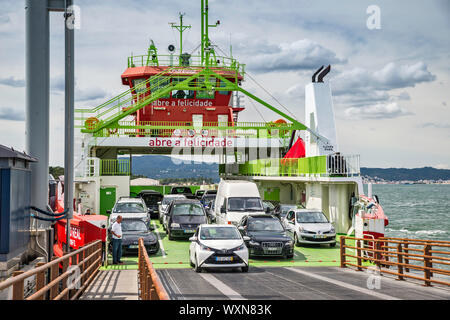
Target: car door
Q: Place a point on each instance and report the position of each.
(193, 245)
(167, 215)
(289, 222)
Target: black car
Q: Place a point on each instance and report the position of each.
(207, 198)
(281, 210)
(199, 194)
(183, 190)
(132, 230)
(183, 218)
(151, 198)
(267, 236)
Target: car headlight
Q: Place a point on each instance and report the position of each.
(333, 230)
(205, 248)
(301, 229)
(253, 243)
(290, 243)
(175, 225)
(241, 247)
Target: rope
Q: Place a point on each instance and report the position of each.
(254, 106)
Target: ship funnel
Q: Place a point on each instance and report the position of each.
(319, 115)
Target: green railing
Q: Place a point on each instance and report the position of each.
(194, 61)
(208, 129)
(112, 167)
(332, 165)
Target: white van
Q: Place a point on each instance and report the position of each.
(236, 199)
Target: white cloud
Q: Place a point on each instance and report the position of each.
(377, 111)
(298, 55)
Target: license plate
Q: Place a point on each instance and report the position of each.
(224, 258)
(133, 246)
(189, 231)
(319, 236)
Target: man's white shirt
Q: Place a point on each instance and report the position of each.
(117, 229)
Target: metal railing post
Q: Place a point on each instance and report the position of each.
(400, 262)
(18, 287)
(405, 249)
(342, 250)
(427, 264)
(40, 279)
(358, 254)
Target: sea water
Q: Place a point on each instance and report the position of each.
(420, 211)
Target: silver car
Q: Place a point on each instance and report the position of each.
(309, 226)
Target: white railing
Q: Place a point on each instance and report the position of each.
(347, 165)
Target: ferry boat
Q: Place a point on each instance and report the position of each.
(180, 102)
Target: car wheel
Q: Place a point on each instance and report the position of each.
(289, 256)
(196, 267)
(333, 244)
(169, 235)
(244, 269)
(297, 244)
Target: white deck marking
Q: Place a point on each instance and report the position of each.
(160, 241)
(222, 287)
(345, 285)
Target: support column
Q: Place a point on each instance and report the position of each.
(37, 99)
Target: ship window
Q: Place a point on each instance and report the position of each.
(223, 84)
(206, 94)
(159, 84)
(182, 94)
(139, 82)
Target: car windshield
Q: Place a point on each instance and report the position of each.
(133, 225)
(187, 209)
(264, 225)
(167, 200)
(219, 233)
(267, 204)
(200, 192)
(151, 199)
(207, 199)
(285, 208)
(181, 190)
(311, 217)
(131, 207)
(245, 204)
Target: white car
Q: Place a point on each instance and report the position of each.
(164, 204)
(129, 207)
(218, 246)
(309, 226)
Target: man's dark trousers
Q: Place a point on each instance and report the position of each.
(116, 250)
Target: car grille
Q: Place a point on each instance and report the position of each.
(212, 259)
(188, 226)
(272, 247)
(318, 239)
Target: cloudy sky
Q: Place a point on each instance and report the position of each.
(391, 85)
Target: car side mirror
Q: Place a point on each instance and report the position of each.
(241, 228)
(267, 210)
(246, 238)
(193, 238)
(108, 211)
(222, 210)
(159, 202)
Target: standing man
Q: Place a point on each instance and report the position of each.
(116, 231)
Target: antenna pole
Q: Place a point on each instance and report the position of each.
(180, 28)
(205, 43)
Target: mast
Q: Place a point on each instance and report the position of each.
(205, 43)
(180, 28)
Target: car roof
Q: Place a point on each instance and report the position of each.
(307, 210)
(264, 216)
(186, 201)
(149, 191)
(177, 195)
(129, 199)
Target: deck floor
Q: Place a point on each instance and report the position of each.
(113, 285)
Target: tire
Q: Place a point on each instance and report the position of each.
(196, 267)
(289, 256)
(244, 269)
(333, 244)
(169, 235)
(297, 244)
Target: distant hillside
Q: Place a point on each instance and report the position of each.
(161, 167)
(398, 174)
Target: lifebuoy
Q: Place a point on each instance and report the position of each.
(91, 123)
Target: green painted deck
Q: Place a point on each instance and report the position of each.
(175, 254)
